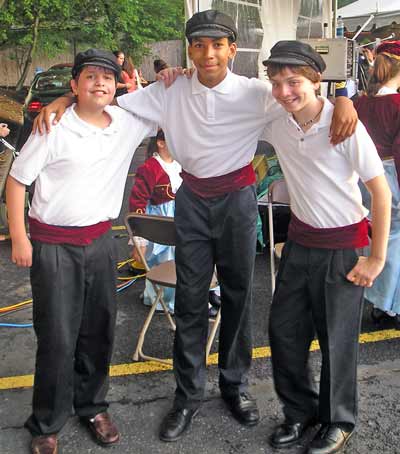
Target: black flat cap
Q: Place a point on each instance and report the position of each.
(295, 53)
(96, 57)
(211, 24)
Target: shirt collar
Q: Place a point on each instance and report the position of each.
(324, 119)
(72, 121)
(387, 91)
(224, 87)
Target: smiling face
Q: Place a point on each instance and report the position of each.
(292, 90)
(94, 87)
(211, 57)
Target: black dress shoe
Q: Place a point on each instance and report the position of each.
(176, 422)
(288, 434)
(331, 438)
(243, 407)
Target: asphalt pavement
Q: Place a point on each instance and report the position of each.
(140, 396)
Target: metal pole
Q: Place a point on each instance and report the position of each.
(334, 19)
(363, 26)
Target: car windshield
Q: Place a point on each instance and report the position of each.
(54, 81)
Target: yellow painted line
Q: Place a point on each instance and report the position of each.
(146, 367)
(131, 174)
(118, 227)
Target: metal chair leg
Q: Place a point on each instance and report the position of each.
(213, 332)
(138, 354)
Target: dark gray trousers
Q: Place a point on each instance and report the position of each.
(312, 293)
(74, 309)
(220, 231)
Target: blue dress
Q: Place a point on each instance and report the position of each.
(385, 292)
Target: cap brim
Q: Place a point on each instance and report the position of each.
(209, 33)
(285, 61)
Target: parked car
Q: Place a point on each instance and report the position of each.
(46, 86)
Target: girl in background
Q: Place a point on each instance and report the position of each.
(129, 75)
(124, 84)
(156, 183)
(379, 110)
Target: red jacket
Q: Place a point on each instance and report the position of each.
(152, 185)
(381, 117)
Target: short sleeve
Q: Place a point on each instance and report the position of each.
(363, 154)
(32, 159)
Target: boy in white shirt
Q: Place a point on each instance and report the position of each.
(321, 276)
(80, 172)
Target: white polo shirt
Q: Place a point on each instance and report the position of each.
(209, 131)
(322, 179)
(80, 170)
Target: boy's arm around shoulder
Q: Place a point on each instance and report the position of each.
(344, 120)
(21, 253)
(45, 120)
(148, 103)
(368, 268)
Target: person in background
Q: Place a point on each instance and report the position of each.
(321, 275)
(129, 75)
(379, 110)
(159, 65)
(80, 172)
(4, 130)
(123, 86)
(156, 182)
(365, 66)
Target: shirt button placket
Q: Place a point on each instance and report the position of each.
(210, 105)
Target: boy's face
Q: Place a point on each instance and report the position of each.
(211, 56)
(293, 91)
(95, 87)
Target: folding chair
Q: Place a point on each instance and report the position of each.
(161, 230)
(277, 196)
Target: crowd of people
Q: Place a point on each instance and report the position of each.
(336, 248)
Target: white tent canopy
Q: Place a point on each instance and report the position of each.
(385, 12)
(261, 23)
(366, 7)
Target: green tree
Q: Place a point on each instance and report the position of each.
(48, 27)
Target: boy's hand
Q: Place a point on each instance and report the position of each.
(42, 122)
(169, 75)
(344, 120)
(21, 253)
(4, 131)
(366, 271)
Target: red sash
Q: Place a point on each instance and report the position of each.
(347, 237)
(77, 236)
(223, 184)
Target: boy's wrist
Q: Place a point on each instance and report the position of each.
(378, 259)
(18, 237)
